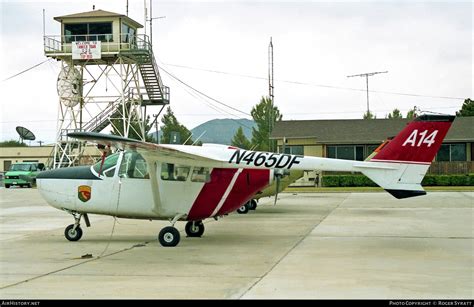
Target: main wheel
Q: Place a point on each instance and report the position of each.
(194, 229)
(169, 236)
(252, 204)
(243, 210)
(7, 186)
(73, 234)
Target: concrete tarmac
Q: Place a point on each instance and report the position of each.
(319, 245)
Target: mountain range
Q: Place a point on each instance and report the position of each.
(221, 131)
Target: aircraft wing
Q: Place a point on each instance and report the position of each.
(148, 150)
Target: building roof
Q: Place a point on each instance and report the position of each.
(361, 131)
(96, 14)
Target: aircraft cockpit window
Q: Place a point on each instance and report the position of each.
(201, 174)
(133, 166)
(174, 172)
(108, 168)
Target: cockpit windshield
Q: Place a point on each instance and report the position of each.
(109, 165)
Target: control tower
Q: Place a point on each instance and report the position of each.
(108, 78)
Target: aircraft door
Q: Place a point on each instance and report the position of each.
(98, 195)
(135, 197)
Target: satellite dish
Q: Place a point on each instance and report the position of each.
(25, 134)
(69, 86)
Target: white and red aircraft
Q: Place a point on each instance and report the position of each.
(192, 183)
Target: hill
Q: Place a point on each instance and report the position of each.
(221, 131)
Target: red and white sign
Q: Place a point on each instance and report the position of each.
(86, 50)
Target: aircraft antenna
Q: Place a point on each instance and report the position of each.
(367, 75)
(189, 137)
(199, 137)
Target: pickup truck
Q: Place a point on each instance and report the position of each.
(22, 174)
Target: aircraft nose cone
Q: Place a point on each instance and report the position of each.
(78, 172)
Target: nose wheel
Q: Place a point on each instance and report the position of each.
(73, 233)
(194, 229)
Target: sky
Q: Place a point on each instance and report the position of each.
(426, 47)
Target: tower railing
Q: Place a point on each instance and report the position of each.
(62, 44)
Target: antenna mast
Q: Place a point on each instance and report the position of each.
(270, 70)
(367, 75)
(270, 92)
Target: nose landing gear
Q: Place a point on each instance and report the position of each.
(73, 232)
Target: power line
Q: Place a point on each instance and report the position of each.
(209, 104)
(316, 84)
(21, 72)
(213, 99)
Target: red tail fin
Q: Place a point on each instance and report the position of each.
(418, 142)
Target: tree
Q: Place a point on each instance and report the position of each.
(12, 143)
(369, 115)
(172, 125)
(467, 108)
(411, 113)
(265, 114)
(395, 114)
(240, 140)
(135, 130)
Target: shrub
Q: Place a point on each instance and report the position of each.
(429, 180)
(330, 181)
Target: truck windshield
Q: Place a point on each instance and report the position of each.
(21, 167)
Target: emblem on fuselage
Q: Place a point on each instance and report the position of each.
(84, 193)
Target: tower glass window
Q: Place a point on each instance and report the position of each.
(96, 31)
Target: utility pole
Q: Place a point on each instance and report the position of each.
(367, 75)
(270, 92)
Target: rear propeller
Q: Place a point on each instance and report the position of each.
(278, 175)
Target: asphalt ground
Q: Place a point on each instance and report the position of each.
(310, 245)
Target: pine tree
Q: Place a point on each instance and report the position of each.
(369, 115)
(240, 140)
(395, 114)
(171, 126)
(265, 114)
(411, 113)
(467, 108)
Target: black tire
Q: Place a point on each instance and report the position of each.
(243, 209)
(194, 229)
(28, 185)
(73, 235)
(7, 186)
(169, 236)
(252, 204)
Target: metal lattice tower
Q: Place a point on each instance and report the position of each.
(106, 79)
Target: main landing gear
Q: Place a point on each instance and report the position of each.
(194, 229)
(250, 205)
(73, 232)
(169, 236)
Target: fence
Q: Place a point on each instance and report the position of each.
(451, 168)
